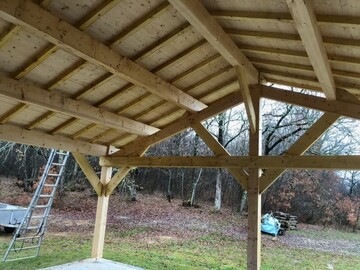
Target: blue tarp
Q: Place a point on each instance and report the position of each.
(270, 225)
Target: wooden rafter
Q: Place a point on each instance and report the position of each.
(304, 79)
(272, 162)
(312, 102)
(306, 24)
(89, 172)
(289, 37)
(245, 92)
(219, 150)
(278, 16)
(293, 53)
(195, 13)
(147, 18)
(82, 45)
(8, 34)
(15, 134)
(30, 94)
(217, 107)
(335, 72)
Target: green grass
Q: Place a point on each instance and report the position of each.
(329, 234)
(54, 251)
(143, 247)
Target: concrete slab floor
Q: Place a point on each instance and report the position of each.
(92, 264)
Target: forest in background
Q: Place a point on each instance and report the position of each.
(316, 197)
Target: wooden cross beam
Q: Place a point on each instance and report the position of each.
(265, 162)
(12, 133)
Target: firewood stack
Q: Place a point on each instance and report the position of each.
(288, 222)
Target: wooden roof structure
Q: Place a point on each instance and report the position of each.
(112, 77)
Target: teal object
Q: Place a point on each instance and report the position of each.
(270, 225)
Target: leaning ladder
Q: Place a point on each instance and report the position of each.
(30, 233)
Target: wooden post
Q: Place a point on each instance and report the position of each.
(254, 196)
(101, 216)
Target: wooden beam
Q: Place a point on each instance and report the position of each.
(8, 34)
(101, 217)
(254, 195)
(245, 92)
(195, 13)
(300, 146)
(116, 180)
(312, 102)
(219, 150)
(30, 94)
(12, 112)
(262, 35)
(293, 53)
(283, 17)
(284, 37)
(215, 108)
(16, 134)
(145, 19)
(89, 172)
(335, 72)
(265, 162)
(306, 24)
(71, 39)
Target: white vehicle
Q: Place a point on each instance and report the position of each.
(11, 216)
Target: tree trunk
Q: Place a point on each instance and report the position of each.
(218, 185)
(217, 203)
(182, 184)
(192, 200)
(243, 202)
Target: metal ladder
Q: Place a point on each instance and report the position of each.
(29, 235)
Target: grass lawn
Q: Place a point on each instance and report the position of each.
(144, 248)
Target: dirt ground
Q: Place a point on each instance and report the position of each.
(164, 220)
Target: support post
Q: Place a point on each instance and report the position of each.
(254, 196)
(101, 216)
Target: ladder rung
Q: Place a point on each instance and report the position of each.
(64, 154)
(29, 237)
(49, 185)
(37, 217)
(24, 248)
(58, 164)
(21, 258)
(42, 206)
(45, 196)
(32, 228)
(53, 174)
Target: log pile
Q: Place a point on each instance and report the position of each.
(288, 222)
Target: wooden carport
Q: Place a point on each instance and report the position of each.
(111, 78)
